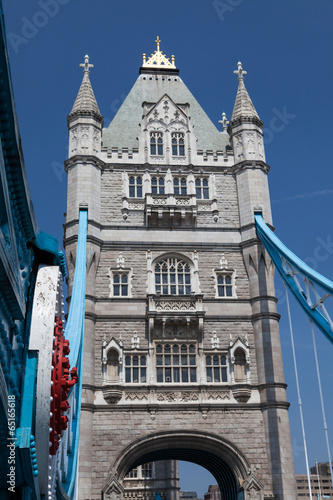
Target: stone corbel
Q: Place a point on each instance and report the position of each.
(253, 488)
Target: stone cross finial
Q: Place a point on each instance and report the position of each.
(224, 122)
(240, 72)
(86, 66)
(158, 41)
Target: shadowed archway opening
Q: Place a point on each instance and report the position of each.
(220, 457)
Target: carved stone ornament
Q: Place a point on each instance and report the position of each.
(112, 393)
(241, 393)
(113, 490)
(219, 395)
(253, 488)
(178, 397)
(175, 331)
(136, 396)
(175, 305)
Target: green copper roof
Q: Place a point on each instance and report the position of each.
(124, 128)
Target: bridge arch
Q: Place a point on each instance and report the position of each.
(219, 456)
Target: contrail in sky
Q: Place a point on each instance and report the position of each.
(325, 192)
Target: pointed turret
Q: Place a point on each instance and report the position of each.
(243, 105)
(85, 124)
(85, 121)
(245, 127)
(246, 137)
(85, 102)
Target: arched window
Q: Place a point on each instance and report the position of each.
(172, 277)
(156, 143)
(178, 145)
(201, 188)
(224, 285)
(239, 365)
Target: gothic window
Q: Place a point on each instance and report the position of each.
(119, 284)
(225, 285)
(239, 365)
(176, 363)
(172, 277)
(179, 185)
(156, 143)
(177, 142)
(135, 369)
(157, 185)
(135, 186)
(216, 368)
(202, 189)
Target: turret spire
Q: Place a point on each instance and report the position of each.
(243, 105)
(85, 101)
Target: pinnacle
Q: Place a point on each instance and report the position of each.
(85, 100)
(243, 105)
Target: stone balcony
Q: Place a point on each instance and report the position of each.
(170, 209)
(173, 316)
(178, 209)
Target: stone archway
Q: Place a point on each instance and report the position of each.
(219, 456)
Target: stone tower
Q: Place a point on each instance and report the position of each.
(182, 350)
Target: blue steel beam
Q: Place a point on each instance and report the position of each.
(75, 335)
(291, 269)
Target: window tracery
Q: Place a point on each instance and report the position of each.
(178, 144)
(172, 277)
(202, 188)
(156, 143)
(224, 285)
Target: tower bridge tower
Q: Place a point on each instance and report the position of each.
(182, 357)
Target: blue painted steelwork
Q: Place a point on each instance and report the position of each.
(75, 335)
(48, 243)
(292, 269)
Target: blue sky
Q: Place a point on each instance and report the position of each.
(286, 48)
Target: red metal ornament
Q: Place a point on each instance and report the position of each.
(61, 385)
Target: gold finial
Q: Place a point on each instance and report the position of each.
(158, 59)
(143, 58)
